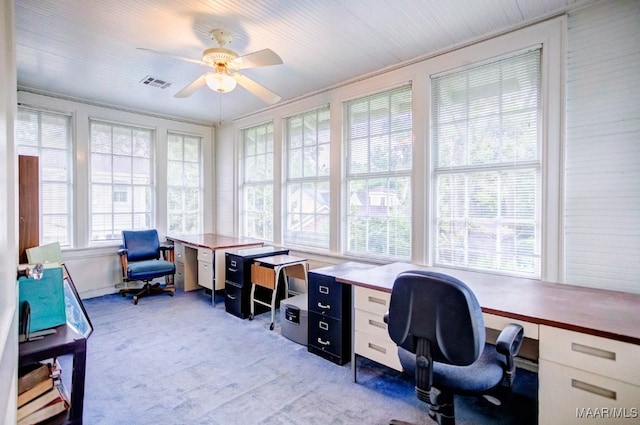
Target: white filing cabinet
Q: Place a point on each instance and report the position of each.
(371, 338)
(585, 378)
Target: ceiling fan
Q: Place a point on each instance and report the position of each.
(225, 62)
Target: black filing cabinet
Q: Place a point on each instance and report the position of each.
(238, 276)
(330, 312)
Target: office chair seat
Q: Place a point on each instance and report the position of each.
(481, 376)
(149, 269)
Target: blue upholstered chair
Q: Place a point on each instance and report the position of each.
(436, 321)
(144, 258)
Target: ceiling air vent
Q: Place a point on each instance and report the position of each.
(155, 82)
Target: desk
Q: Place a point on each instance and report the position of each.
(200, 259)
(589, 339)
(267, 271)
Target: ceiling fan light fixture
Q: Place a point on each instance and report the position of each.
(220, 82)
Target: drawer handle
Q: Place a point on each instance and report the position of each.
(232, 270)
(323, 325)
(231, 297)
(377, 300)
(321, 341)
(233, 263)
(593, 389)
(377, 324)
(377, 348)
(323, 289)
(206, 266)
(324, 306)
(592, 351)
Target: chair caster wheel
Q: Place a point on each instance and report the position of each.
(251, 317)
(271, 326)
(135, 300)
(123, 294)
(171, 293)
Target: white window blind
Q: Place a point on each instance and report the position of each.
(378, 135)
(47, 135)
(121, 180)
(257, 208)
(307, 141)
(184, 184)
(487, 147)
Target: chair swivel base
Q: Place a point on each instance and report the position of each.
(146, 290)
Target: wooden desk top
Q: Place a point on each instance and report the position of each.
(214, 241)
(280, 260)
(609, 314)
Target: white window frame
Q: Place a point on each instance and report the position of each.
(41, 152)
(149, 211)
(182, 187)
(306, 183)
(252, 183)
(366, 213)
(550, 35)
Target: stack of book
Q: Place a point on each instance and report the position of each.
(40, 393)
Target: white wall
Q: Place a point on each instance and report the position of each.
(605, 30)
(96, 270)
(8, 218)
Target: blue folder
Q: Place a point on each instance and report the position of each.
(46, 299)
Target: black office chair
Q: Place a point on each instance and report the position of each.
(436, 321)
(144, 258)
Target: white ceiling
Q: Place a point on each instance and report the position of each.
(87, 49)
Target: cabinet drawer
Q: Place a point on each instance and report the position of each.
(205, 255)
(602, 356)
(498, 323)
(371, 300)
(372, 324)
(572, 396)
(326, 296)
(178, 252)
(234, 269)
(325, 333)
(205, 274)
(381, 350)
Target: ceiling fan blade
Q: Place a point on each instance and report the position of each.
(260, 91)
(263, 57)
(198, 61)
(192, 86)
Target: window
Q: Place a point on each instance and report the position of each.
(121, 180)
(48, 136)
(184, 185)
(257, 152)
(379, 156)
(486, 149)
(307, 139)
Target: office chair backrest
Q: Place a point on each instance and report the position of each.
(441, 309)
(141, 244)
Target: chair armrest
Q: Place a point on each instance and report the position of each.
(510, 340)
(508, 343)
(167, 251)
(124, 263)
(385, 318)
(123, 251)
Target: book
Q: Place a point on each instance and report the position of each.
(34, 392)
(32, 375)
(53, 408)
(38, 402)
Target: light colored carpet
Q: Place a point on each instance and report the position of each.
(179, 360)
